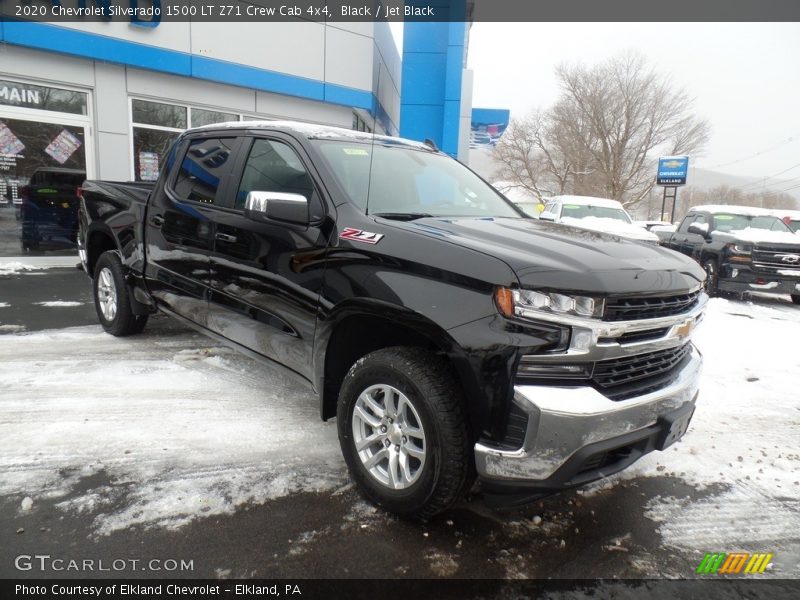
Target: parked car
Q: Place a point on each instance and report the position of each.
(790, 217)
(742, 249)
(449, 335)
(595, 214)
(49, 208)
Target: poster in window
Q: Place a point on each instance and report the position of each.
(63, 146)
(148, 166)
(9, 143)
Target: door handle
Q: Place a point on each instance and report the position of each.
(157, 220)
(224, 237)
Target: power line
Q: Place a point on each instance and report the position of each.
(788, 140)
(762, 181)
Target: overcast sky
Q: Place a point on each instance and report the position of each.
(745, 77)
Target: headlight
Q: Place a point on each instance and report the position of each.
(741, 253)
(530, 303)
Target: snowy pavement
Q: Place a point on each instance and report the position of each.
(168, 435)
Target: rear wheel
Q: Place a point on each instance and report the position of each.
(796, 298)
(403, 432)
(111, 299)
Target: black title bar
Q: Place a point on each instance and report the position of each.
(151, 13)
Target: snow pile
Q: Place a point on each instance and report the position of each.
(59, 303)
(13, 268)
(174, 430)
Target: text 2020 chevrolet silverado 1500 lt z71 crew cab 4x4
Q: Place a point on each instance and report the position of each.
(742, 249)
(449, 335)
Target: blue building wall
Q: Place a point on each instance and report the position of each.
(430, 98)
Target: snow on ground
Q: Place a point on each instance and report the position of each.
(159, 429)
(745, 435)
(4, 305)
(173, 429)
(59, 303)
(12, 268)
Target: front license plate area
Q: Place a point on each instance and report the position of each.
(673, 426)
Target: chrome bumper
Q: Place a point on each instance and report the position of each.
(564, 420)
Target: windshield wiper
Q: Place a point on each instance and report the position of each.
(402, 216)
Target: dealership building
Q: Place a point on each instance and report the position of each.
(108, 98)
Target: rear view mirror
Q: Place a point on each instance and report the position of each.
(276, 206)
(699, 229)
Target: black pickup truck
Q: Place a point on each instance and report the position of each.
(741, 248)
(451, 336)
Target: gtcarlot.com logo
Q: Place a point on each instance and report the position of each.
(45, 562)
(734, 563)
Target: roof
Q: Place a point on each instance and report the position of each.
(317, 132)
(584, 200)
(733, 210)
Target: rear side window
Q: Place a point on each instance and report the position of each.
(204, 165)
(274, 166)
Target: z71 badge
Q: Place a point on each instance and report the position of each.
(358, 235)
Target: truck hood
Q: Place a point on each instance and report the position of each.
(553, 256)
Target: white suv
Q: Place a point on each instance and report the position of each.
(595, 214)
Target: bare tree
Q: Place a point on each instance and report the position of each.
(603, 134)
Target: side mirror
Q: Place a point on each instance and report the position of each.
(276, 206)
(545, 216)
(699, 229)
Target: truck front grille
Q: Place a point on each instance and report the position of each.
(623, 378)
(773, 256)
(649, 307)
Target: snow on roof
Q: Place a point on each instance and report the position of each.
(316, 131)
(733, 210)
(584, 200)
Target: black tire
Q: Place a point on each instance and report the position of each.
(430, 387)
(712, 277)
(122, 322)
(796, 298)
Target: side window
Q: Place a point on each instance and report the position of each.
(274, 166)
(204, 165)
(699, 219)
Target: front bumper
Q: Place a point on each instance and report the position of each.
(575, 434)
(742, 278)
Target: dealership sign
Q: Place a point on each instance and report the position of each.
(672, 170)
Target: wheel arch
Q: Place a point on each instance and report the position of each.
(361, 328)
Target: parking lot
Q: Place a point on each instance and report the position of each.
(168, 446)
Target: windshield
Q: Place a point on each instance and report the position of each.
(583, 211)
(409, 183)
(725, 222)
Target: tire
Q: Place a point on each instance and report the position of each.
(111, 299)
(712, 277)
(796, 298)
(427, 432)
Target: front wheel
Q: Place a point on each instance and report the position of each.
(403, 431)
(712, 277)
(796, 298)
(111, 300)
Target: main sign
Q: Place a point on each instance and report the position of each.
(672, 170)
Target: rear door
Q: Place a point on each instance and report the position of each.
(179, 228)
(266, 278)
